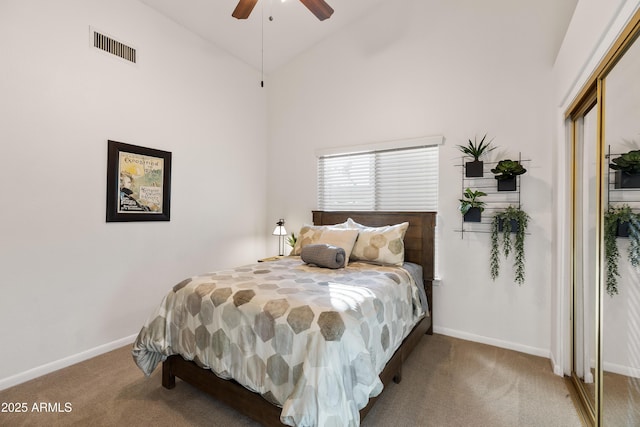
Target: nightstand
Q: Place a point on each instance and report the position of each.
(271, 258)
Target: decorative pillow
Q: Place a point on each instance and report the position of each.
(323, 255)
(336, 235)
(379, 245)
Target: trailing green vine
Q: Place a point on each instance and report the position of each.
(613, 216)
(495, 251)
(521, 218)
(612, 255)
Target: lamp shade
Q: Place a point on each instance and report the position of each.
(280, 230)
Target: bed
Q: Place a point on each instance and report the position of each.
(283, 386)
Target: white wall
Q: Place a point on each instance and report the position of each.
(454, 68)
(72, 284)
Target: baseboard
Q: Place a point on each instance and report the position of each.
(494, 342)
(627, 371)
(63, 363)
(557, 369)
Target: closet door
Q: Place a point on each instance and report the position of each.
(605, 301)
(621, 305)
(585, 251)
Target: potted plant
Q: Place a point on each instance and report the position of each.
(291, 240)
(506, 172)
(470, 206)
(627, 168)
(476, 150)
(509, 217)
(620, 221)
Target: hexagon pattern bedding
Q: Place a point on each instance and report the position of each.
(311, 340)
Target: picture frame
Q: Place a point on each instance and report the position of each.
(138, 183)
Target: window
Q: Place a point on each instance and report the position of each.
(390, 178)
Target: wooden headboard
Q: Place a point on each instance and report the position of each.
(418, 241)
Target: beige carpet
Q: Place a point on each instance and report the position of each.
(621, 399)
(621, 402)
(446, 382)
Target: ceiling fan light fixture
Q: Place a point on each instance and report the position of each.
(319, 8)
(244, 8)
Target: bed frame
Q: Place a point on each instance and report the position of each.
(419, 249)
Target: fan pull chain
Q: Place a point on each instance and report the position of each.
(270, 19)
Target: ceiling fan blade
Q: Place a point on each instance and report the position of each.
(243, 9)
(320, 8)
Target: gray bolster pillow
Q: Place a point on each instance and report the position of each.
(323, 255)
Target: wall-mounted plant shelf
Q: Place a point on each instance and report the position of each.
(474, 169)
(623, 180)
(495, 200)
(622, 189)
(513, 225)
(509, 184)
(473, 215)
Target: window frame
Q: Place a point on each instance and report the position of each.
(377, 147)
(427, 141)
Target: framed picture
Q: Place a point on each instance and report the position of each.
(138, 183)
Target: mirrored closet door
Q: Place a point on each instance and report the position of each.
(585, 248)
(605, 321)
(621, 300)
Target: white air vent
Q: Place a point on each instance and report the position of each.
(114, 47)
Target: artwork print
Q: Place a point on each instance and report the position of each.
(138, 183)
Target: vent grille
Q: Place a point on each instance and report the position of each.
(114, 47)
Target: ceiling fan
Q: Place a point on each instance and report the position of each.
(318, 7)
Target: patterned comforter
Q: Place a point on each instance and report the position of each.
(308, 339)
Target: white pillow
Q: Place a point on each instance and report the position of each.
(342, 238)
(379, 245)
(336, 235)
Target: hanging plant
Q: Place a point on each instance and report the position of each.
(471, 206)
(509, 217)
(475, 150)
(613, 217)
(628, 163)
(507, 169)
(506, 173)
(627, 168)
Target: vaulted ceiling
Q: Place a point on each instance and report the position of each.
(278, 30)
(292, 30)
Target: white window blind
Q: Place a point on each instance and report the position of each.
(402, 179)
